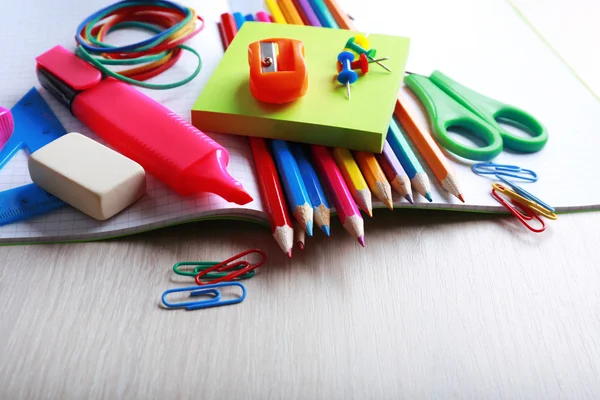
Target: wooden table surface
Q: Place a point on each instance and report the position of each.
(439, 305)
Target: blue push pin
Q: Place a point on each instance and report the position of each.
(346, 76)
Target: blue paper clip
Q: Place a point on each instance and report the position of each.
(519, 190)
(204, 290)
(512, 171)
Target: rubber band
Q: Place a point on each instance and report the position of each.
(171, 24)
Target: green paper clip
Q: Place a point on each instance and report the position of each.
(202, 265)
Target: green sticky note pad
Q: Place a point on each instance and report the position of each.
(324, 115)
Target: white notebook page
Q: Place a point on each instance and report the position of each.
(161, 206)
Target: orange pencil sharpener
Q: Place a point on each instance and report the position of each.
(278, 72)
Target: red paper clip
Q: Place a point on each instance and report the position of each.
(224, 266)
(523, 214)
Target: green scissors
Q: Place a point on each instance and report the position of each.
(449, 104)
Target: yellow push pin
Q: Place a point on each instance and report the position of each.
(359, 44)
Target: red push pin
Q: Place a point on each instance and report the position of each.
(361, 64)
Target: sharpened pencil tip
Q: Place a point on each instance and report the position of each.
(409, 198)
(428, 197)
(326, 229)
(389, 204)
(461, 198)
(289, 253)
(309, 228)
(361, 240)
(301, 245)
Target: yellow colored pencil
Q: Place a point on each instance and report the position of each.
(276, 12)
(289, 12)
(354, 179)
(375, 177)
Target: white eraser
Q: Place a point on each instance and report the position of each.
(87, 175)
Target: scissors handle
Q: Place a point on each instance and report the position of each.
(444, 113)
(493, 111)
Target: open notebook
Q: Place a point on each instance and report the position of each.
(513, 65)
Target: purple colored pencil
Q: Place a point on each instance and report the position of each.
(309, 13)
(394, 172)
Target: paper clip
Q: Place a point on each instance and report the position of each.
(202, 265)
(525, 201)
(225, 266)
(524, 213)
(205, 290)
(519, 190)
(512, 171)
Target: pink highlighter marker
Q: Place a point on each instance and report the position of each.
(140, 128)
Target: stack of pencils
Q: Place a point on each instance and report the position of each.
(301, 181)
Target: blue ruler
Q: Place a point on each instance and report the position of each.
(35, 126)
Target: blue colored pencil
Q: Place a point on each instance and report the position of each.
(239, 19)
(408, 160)
(321, 209)
(293, 184)
(249, 17)
(323, 14)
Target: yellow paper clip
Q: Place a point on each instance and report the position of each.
(526, 202)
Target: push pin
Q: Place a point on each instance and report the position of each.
(361, 64)
(346, 76)
(278, 72)
(359, 44)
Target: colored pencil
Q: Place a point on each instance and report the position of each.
(408, 159)
(276, 12)
(422, 139)
(429, 150)
(394, 172)
(323, 14)
(376, 179)
(340, 17)
(321, 209)
(273, 196)
(354, 179)
(249, 17)
(239, 19)
(263, 17)
(295, 191)
(342, 200)
(299, 236)
(307, 13)
(289, 12)
(271, 190)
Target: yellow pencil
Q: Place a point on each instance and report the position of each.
(354, 179)
(275, 11)
(375, 177)
(289, 12)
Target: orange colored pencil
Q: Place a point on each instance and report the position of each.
(429, 150)
(270, 185)
(343, 202)
(341, 18)
(289, 12)
(376, 179)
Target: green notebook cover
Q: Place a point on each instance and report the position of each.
(324, 115)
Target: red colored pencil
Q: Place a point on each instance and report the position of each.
(344, 204)
(272, 192)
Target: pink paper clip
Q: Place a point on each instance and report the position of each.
(523, 213)
(224, 266)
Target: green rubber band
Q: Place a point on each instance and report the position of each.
(158, 86)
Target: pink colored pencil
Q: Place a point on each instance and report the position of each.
(263, 17)
(344, 204)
